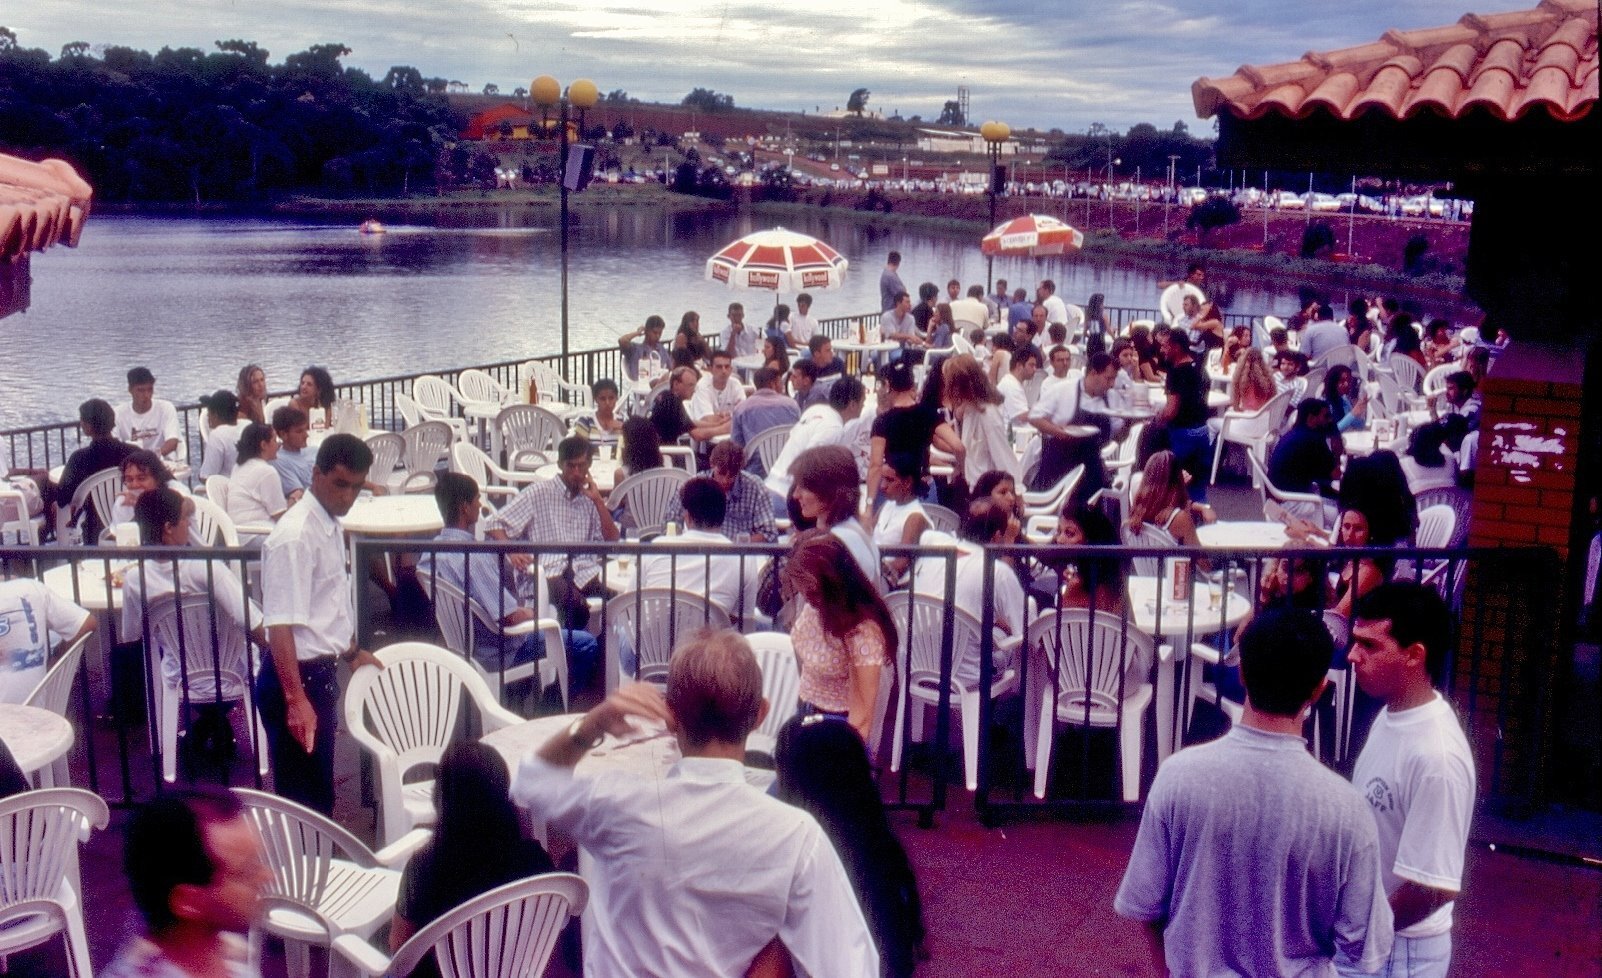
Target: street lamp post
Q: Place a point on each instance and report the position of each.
(994, 135)
(547, 93)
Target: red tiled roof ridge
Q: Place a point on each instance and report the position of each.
(41, 204)
(1506, 64)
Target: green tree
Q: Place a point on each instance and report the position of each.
(858, 101)
(249, 50)
(706, 100)
(617, 96)
(403, 78)
(8, 39)
(490, 88)
(73, 50)
(520, 92)
(1214, 212)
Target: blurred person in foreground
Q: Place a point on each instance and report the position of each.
(197, 872)
(1253, 858)
(699, 844)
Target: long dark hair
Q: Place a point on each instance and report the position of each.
(823, 768)
(325, 386)
(642, 447)
(846, 598)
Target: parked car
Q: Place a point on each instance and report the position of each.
(1191, 196)
(1285, 200)
(1322, 203)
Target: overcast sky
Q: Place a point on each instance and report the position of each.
(1065, 64)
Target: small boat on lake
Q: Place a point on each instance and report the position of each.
(371, 226)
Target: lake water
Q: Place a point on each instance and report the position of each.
(195, 299)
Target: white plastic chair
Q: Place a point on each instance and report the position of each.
(436, 400)
(476, 385)
(100, 491)
(1307, 505)
(781, 679)
(1434, 383)
(645, 496)
(54, 693)
(508, 932)
(1049, 502)
(15, 523)
(1436, 527)
(217, 672)
(1086, 684)
(388, 451)
(1252, 429)
(1460, 500)
(940, 518)
(767, 445)
(405, 716)
(213, 526)
(217, 487)
(409, 410)
(1343, 690)
(493, 481)
(1409, 375)
(527, 428)
(652, 622)
(451, 610)
(554, 392)
(427, 445)
(918, 659)
(326, 882)
(1346, 354)
(39, 866)
(1151, 536)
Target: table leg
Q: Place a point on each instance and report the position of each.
(1166, 666)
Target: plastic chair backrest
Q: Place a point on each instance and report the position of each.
(528, 427)
(1407, 371)
(217, 487)
(450, 612)
(767, 445)
(781, 678)
(213, 525)
(42, 830)
(14, 518)
(645, 496)
(54, 692)
(476, 385)
(1436, 526)
(1339, 628)
(433, 395)
(427, 445)
(1152, 536)
(921, 637)
(301, 846)
(409, 411)
(1434, 383)
(1089, 654)
(212, 654)
(388, 450)
(507, 932)
(471, 461)
(653, 621)
(940, 518)
(99, 491)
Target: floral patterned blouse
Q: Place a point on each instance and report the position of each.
(826, 661)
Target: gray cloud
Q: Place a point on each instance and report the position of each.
(1063, 65)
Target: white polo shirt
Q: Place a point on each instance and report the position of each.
(304, 581)
(149, 430)
(709, 400)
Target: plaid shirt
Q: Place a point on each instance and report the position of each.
(750, 509)
(546, 513)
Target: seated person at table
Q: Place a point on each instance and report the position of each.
(1060, 359)
(1347, 398)
(1014, 395)
(767, 407)
(1251, 384)
(141, 472)
(821, 352)
(104, 451)
(823, 768)
(1299, 582)
(164, 519)
(293, 463)
(1081, 400)
(821, 424)
(1290, 372)
(640, 449)
(1426, 465)
(802, 325)
(804, 384)
(1376, 486)
(607, 423)
(719, 579)
(775, 355)
(987, 522)
(477, 846)
(147, 421)
(1090, 582)
(901, 520)
(761, 869)
(566, 509)
(1303, 460)
(670, 418)
(255, 493)
(1162, 502)
(483, 578)
(717, 393)
(688, 336)
(316, 395)
(30, 615)
(650, 351)
(740, 339)
(222, 435)
(1200, 326)
(898, 325)
(748, 513)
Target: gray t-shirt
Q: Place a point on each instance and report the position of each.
(1259, 861)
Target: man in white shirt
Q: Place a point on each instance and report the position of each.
(802, 325)
(716, 394)
(30, 614)
(222, 438)
(1415, 770)
(306, 604)
(1061, 360)
(718, 579)
(820, 424)
(986, 523)
(1061, 418)
(1015, 396)
(971, 311)
(738, 338)
(695, 872)
(1046, 295)
(146, 420)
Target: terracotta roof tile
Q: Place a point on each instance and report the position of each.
(1502, 64)
(41, 204)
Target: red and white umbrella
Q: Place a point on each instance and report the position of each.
(777, 261)
(1033, 235)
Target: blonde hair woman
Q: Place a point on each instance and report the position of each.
(975, 407)
(1252, 383)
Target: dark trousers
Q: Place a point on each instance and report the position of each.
(307, 778)
(568, 601)
(1059, 456)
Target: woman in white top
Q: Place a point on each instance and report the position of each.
(255, 493)
(976, 410)
(1426, 464)
(901, 519)
(826, 494)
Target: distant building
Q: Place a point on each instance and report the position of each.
(964, 141)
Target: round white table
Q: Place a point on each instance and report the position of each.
(1268, 535)
(84, 584)
(35, 737)
(1364, 442)
(748, 365)
(852, 352)
(393, 515)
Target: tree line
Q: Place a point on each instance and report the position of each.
(227, 126)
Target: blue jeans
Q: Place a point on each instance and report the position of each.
(1411, 957)
(1193, 450)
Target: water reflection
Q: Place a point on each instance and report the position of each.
(195, 299)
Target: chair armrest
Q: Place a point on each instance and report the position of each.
(494, 490)
(1205, 653)
(258, 528)
(521, 628)
(395, 855)
(368, 960)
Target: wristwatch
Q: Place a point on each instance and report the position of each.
(573, 734)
